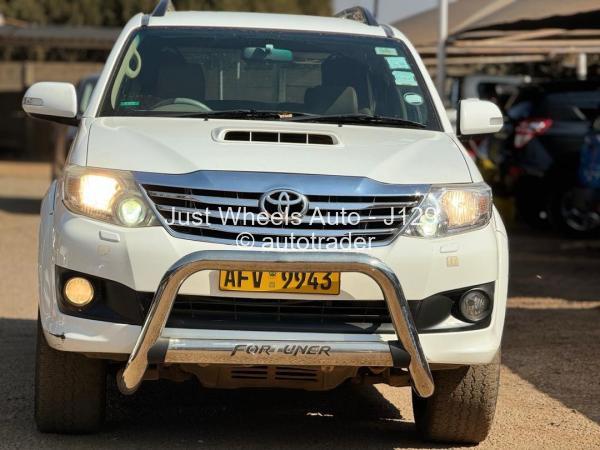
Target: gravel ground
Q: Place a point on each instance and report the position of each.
(549, 396)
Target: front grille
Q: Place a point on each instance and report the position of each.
(281, 310)
(193, 311)
(221, 215)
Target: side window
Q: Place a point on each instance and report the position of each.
(86, 94)
(129, 69)
(573, 106)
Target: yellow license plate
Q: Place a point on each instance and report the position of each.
(288, 282)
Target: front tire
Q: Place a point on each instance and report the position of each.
(575, 212)
(461, 410)
(70, 390)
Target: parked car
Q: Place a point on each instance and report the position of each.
(487, 151)
(258, 200)
(496, 88)
(549, 123)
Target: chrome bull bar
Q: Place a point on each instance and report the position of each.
(285, 352)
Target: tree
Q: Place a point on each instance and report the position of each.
(117, 12)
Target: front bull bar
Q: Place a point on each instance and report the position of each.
(348, 353)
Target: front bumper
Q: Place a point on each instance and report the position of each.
(195, 351)
(139, 259)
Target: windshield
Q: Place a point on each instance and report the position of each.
(184, 71)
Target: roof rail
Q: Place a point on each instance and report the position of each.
(359, 14)
(162, 8)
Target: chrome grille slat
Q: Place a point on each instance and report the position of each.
(376, 217)
(226, 201)
(304, 232)
(325, 206)
(248, 216)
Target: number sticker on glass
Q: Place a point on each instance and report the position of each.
(397, 62)
(289, 282)
(404, 78)
(413, 99)
(389, 51)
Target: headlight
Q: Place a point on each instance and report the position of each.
(452, 209)
(108, 195)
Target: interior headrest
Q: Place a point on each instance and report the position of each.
(340, 70)
(332, 100)
(180, 80)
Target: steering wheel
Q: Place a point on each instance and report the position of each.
(174, 104)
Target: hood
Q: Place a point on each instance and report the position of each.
(176, 145)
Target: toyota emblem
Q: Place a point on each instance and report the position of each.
(284, 202)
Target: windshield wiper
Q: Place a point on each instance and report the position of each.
(243, 114)
(359, 119)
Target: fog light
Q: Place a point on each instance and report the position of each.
(79, 291)
(475, 305)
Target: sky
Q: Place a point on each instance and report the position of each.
(389, 10)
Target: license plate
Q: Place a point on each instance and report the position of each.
(289, 282)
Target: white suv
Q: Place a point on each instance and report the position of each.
(258, 200)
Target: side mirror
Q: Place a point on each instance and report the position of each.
(52, 101)
(479, 117)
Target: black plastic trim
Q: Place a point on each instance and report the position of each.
(388, 31)
(400, 357)
(162, 7)
(345, 328)
(71, 121)
(117, 303)
(434, 309)
(113, 302)
(158, 352)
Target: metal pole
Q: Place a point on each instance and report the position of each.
(376, 9)
(441, 47)
(582, 66)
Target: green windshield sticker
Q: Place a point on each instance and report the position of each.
(413, 99)
(386, 51)
(129, 103)
(397, 62)
(404, 78)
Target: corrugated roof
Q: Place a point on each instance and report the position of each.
(52, 35)
(464, 15)
(522, 10)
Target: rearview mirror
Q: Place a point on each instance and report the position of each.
(268, 53)
(478, 117)
(52, 101)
